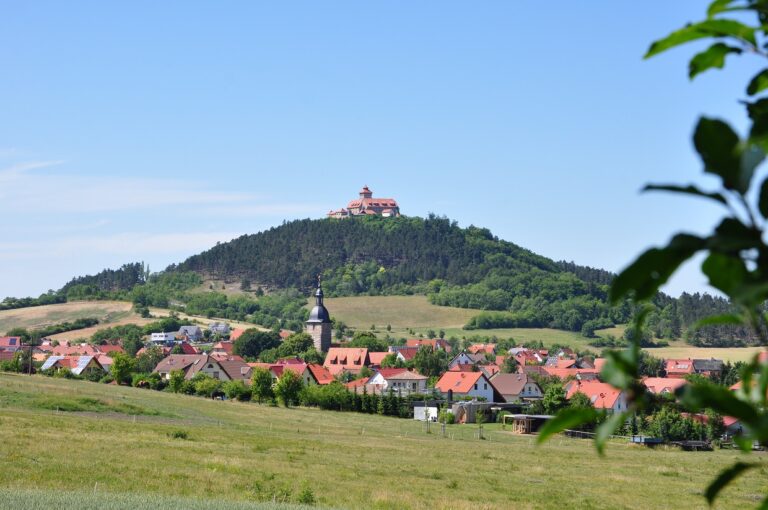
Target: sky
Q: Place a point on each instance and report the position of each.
(150, 131)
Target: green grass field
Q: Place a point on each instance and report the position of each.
(243, 452)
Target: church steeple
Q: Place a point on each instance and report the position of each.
(319, 322)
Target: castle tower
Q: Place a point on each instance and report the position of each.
(366, 193)
(319, 323)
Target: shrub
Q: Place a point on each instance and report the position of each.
(179, 434)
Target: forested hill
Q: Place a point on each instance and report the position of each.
(366, 255)
(453, 266)
(464, 267)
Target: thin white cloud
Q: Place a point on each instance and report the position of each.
(17, 170)
(129, 244)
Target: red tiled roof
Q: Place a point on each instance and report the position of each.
(565, 363)
(564, 373)
(679, 367)
(602, 395)
(390, 372)
(659, 385)
(347, 357)
(284, 333)
(224, 346)
(377, 357)
(459, 382)
(12, 342)
(106, 349)
(482, 348)
(408, 352)
(322, 375)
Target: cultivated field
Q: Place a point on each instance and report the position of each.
(682, 350)
(108, 312)
(126, 441)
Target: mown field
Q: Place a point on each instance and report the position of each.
(128, 442)
(110, 313)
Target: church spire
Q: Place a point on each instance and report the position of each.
(319, 292)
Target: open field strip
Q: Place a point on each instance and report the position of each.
(249, 452)
(38, 316)
(682, 350)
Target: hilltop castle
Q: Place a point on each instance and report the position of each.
(366, 204)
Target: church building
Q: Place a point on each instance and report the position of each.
(319, 324)
(367, 204)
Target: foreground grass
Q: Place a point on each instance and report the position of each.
(243, 452)
(93, 499)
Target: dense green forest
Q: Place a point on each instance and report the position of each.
(453, 266)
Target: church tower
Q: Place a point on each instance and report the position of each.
(319, 323)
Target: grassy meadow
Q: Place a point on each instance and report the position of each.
(180, 448)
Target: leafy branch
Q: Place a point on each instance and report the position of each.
(736, 260)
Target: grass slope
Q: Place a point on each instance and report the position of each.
(244, 452)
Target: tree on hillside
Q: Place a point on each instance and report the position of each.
(176, 380)
(261, 385)
(122, 366)
(392, 361)
(288, 388)
(429, 362)
(252, 342)
(369, 341)
(148, 360)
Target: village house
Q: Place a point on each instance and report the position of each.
(190, 333)
(223, 369)
(405, 354)
(302, 369)
(366, 204)
(377, 357)
(516, 387)
(400, 380)
(10, 343)
(218, 328)
(346, 359)
(663, 385)
(224, 347)
(464, 358)
(457, 385)
(482, 349)
(78, 365)
(679, 368)
(601, 395)
(161, 337)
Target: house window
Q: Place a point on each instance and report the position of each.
(485, 386)
(475, 385)
(215, 375)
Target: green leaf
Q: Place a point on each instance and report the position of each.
(714, 56)
(725, 477)
(718, 6)
(707, 28)
(722, 400)
(719, 320)
(619, 369)
(732, 236)
(687, 190)
(718, 146)
(758, 83)
(606, 429)
(762, 203)
(725, 273)
(565, 419)
(751, 157)
(758, 114)
(653, 268)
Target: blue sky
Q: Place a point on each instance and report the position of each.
(150, 130)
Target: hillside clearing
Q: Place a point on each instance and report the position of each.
(247, 452)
